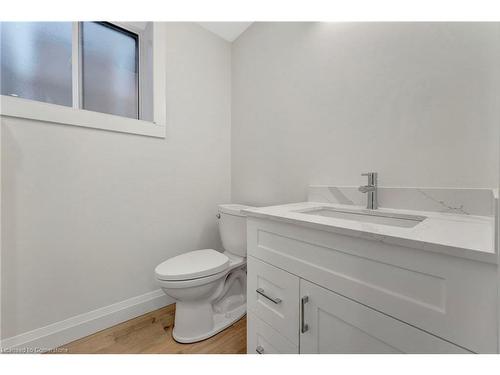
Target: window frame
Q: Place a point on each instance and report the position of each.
(75, 115)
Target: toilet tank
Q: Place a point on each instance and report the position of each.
(233, 228)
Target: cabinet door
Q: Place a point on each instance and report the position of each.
(331, 323)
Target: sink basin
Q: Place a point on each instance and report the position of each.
(367, 216)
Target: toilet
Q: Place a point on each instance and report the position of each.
(209, 286)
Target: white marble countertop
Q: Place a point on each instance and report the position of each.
(465, 236)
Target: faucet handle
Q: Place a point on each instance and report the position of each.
(372, 177)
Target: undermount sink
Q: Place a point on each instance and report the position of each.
(367, 216)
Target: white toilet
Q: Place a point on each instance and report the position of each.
(209, 286)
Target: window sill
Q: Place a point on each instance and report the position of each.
(39, 111)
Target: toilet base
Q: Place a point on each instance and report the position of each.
(205, 309)
(221, 322)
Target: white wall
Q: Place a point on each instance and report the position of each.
(319, 103)
(88, 214)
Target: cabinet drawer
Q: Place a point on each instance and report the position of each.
(263, 339)
(273, 296)
(338, 325)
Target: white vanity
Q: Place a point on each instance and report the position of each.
(328, 276)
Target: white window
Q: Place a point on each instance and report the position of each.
(94, 66)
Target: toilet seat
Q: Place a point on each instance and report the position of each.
(234, 262)
(182, 284)
(192, 265)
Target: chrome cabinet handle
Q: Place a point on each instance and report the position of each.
(303, 326)
(259, 349)
(272, 299)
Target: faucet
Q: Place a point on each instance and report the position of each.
(371, 190)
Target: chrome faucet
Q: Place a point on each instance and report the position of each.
(371, 190)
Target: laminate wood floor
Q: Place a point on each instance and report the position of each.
(152, 333)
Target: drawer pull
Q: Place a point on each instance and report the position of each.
(304, 327)
(259, 349)
(272, 299)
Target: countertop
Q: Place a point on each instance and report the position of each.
(465, 236)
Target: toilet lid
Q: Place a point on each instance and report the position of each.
(192, 265)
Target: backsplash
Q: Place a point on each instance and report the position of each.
(450, 200)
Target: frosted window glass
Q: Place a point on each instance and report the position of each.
(109, 70)
(36, 61)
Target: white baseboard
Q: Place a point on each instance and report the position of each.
(60, 333)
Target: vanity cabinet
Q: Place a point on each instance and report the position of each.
(312, 291)
(289, 315)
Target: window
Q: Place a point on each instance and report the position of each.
(97, 66)
(36, 61)
(110, 67)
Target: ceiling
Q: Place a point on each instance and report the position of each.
(226, 30)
